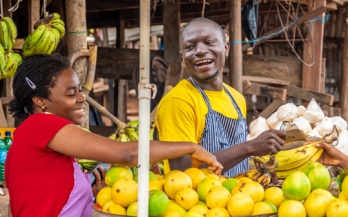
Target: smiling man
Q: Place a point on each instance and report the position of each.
(204, 110)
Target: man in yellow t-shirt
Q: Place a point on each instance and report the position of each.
(204, 110)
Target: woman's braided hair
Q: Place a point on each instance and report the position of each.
(34, 76)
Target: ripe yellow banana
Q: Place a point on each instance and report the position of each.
(122, 137)
(314, 158)
(113, 136)
(265, 179)
(11, 28)
(253, 174)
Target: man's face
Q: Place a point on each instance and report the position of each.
(203, 50)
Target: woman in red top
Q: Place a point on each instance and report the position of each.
(41, 173)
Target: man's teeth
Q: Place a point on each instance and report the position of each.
(79, 110)
(203, 61)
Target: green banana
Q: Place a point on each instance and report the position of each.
(56, 16)
(51, 43)
(2, 61)
(10, 66)
(60, 28)
(130, 131)
(34, 37)
(4, 36)
(17, 57)
(58, 21)
(26, 50)
(113, 136)
(11, 28)
(42, 43)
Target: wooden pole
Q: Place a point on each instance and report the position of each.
(76, 33)
(344, 75)
(235, 54)
(311, 78)
(34, 14)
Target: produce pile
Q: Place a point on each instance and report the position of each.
(46, 37)
(199, 192)
(9, 60)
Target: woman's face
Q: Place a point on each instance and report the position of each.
(67, 98)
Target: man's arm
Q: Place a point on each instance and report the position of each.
(269, 142)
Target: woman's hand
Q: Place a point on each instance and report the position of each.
(202, 156)
(99, 180)
(332, 156)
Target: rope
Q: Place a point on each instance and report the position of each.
(14, 7)
(2, 9)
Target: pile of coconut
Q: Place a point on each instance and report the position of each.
(310, 120)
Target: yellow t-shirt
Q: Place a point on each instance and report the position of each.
(181, 113)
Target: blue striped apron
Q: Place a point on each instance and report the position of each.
(221, 132)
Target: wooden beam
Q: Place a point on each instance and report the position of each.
(269, 110)
(235, 52)
(344, 74)
(266, 91)
(34, 14)
(305, 94)
(265, 80)
(311, 78)
(171, 31)
(331, 6)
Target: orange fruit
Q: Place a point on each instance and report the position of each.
(176, 180)
(107, 205)
(103, 196)
(117, 209)
(274, 195)
(186, 198)
(217, 212)
(214, 176)
(152, 176)
(317, 202)
(206, 171)
(337, 207)
(193, 214)
(317, 174)
(240, 204)
(132, 209)
(205, 185)
(156, 184)
(218, 196)
(341, 195)
(196, 176)
(229, 183)
(264, 207)
(158, 203)
(116, 173)
(345, 187)
(291, 208)
(201, 208)
(253, 189)
(296, 186)
(174, 209)
(124, 192)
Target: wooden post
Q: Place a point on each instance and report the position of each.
(344, 75)
(235, 54)
(311, 78)
(34, 14)
(76, 33)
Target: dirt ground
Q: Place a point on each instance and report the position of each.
(4, 200)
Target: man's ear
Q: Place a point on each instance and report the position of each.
(227, 48)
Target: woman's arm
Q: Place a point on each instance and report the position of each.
(73, 141)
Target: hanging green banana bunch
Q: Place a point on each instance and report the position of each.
(46, 37)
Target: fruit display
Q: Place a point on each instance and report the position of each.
(46, 37)
(196, 192)
(9, 60)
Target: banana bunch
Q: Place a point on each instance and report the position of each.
(261, 176)
(8, 33)
(8, 63)
(292, 160)
(46, 37)
(130, 132)
(86, 164)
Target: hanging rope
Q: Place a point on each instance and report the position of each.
(45, 4)
(2, 9)
(13, 8)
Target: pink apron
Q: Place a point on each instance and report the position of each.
(80, 201)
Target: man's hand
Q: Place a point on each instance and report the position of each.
(202, 156)
(268, 142)
(99, 180)
(332, 156)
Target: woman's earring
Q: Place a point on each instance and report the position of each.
(43, 108)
